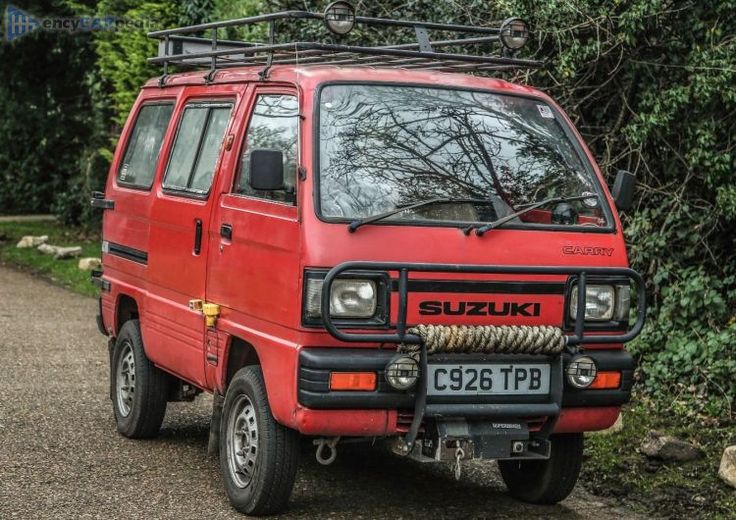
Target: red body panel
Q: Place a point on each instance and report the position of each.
(256, 276)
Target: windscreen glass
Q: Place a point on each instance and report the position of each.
(387, 147)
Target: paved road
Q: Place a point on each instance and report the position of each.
(60, 456)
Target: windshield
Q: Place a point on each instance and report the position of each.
(383, 147)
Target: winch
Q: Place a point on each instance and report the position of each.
(454, 440)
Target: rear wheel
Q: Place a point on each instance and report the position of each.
(546, 481)
(258, 456)
(139, 389)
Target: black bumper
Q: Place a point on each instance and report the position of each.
(316, 364)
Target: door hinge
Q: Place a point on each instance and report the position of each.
(211, 311)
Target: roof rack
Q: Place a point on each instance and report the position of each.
(178, 46)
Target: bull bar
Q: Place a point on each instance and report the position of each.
(579, 275)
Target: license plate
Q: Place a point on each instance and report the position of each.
(488, 379)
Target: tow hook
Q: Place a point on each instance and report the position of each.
(330, 444)
(459, 454)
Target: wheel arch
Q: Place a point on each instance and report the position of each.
(126, 308)
(240, 353)
(277, 359)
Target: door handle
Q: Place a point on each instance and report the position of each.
(197, 236)
(98, 200)
(226, 231)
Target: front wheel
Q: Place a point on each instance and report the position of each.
(546, 481)
(258, 456)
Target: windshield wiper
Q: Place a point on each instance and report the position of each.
(480, 231)
(355, 224)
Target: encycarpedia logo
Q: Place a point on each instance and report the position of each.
(19, 23)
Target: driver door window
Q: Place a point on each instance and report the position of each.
(274, 126)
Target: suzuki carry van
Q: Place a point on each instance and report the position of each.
(357, 241)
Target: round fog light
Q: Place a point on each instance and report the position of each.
(581, 372)
(340, 17)
(402, 372)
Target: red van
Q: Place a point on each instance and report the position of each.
(352, 241)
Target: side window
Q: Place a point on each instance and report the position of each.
(273, 125)
(144, 145)
(193, 158)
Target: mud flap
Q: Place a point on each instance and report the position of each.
(213, 444)
(110, 350)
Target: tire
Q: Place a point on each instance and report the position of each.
(258, 466)
(546, 481)
(139, 392)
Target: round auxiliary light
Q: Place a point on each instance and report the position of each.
(514, 33)
(581, 372)
(340, 17)
(402, 372)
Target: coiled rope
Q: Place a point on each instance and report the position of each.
(488, 339)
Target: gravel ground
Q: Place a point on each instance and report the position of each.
(60, 456)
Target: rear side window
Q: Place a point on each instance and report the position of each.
(196, 149)
(274, 125)
(144, 145)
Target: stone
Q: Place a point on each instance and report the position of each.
(31, 241)
(727, 470)
(60, 252)
(67, 252)
(90, 263)
(47, 249)
(667, 448)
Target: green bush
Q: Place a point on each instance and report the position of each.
(122, 56)
(45, 113)
(72, 205)
(695, 354)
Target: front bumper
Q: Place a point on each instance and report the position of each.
(316, 364)
(563, 409)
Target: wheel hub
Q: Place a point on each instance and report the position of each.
(125, 380)
(242, 441)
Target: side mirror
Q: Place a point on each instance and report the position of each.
(266, 170)
(623, 190)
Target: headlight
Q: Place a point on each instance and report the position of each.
(599, 302)
(602, 302)
(349, 298)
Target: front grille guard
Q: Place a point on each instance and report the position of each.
(551, 409)
(581, 274)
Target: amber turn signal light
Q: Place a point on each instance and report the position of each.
(360, 381)
(606, 380)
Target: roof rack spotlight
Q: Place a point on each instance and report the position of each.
(340, 17)
(514, 33)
